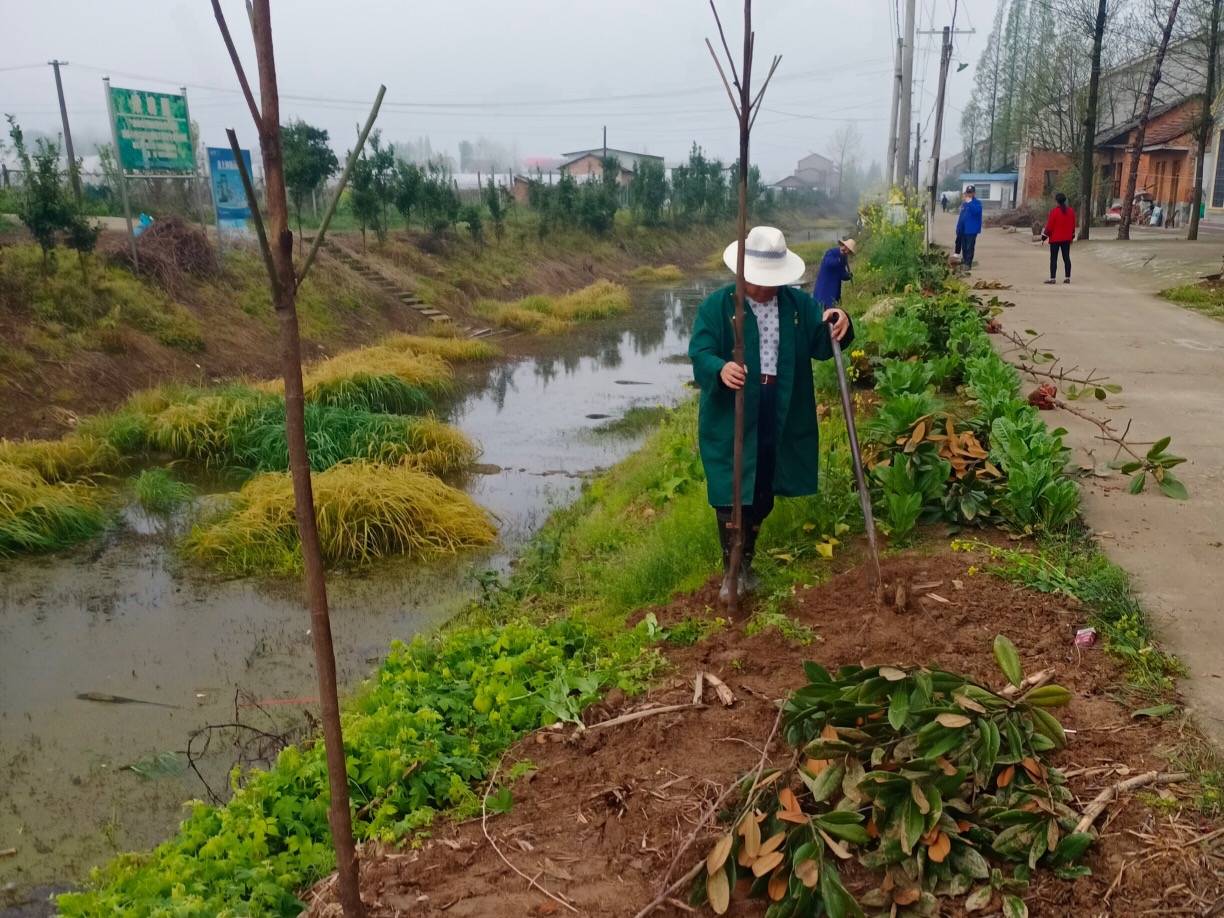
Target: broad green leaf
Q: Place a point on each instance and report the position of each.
(1048, 726)
(1048, 696)
(1074, 872)
(501, 802)
(1173, 487)
(979, 899)
(1008, 659)
(1137, 483)
(848, 831)
(824, 784)
(1159, 447)
(1014, 907)
(816, 673)
(898, 708)
(1072, 848)
(1014, 841)
(850, 783)
(1159, 710)
(968, 861)
(837, 902)
(912, 825)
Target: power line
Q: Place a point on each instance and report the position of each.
(21, 67)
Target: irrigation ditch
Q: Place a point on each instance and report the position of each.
(126, 618)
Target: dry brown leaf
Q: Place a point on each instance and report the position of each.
(938, 851)
(907, 895)
(778, 883)
(969, 704)
(762, 865)
(892, 674)
(1033, 767)
(928, 838)
(752, 837)
(945, 766)
(958, 584)
(924, 805)
(718, 891)
(1006, 775)
(872, 830)
(834, 845)
(744, 859)
(937, 598)
(829, 732)
(771, 844)
(718, 855)
(808, 873)
(953, 721)
(816, 766)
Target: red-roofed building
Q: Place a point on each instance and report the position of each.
(1166, 162)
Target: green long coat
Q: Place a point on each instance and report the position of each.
(804, 337)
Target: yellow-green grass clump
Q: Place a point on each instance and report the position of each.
(542, 314)
(73, 457)
(41, 516)
(366, 511)
(451, 349)
(379, 378)
(663, 274)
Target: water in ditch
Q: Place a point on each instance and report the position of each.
(122, 618)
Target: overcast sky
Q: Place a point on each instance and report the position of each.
(541, 76)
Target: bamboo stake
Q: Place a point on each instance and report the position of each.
(276, 244)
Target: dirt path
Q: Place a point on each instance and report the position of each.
(1169, 361)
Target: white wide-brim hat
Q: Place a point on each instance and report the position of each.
(767, 260)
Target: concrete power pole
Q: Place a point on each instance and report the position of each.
(891, 163)
(905, 108)
(73, 176)
(913, 175)
(945, 58)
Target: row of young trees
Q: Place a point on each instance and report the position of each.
(1055, 73)
(385, 183)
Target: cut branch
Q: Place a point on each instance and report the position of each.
(723, 37)
(1103, 799)
(344, 177)
(722, 73)
(261, 234)
(239, 71)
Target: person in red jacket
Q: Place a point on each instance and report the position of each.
(1059, 231)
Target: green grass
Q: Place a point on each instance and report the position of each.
(365, 512)
(542, 314)
(38, 516)
(73, 457)
(94, 303)
(637, 420)
(663, 274)
(157, 491)
(1205, 298)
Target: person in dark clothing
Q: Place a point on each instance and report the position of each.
(969, 225)
(834, 268)
(1059, 230)
(784, 330)
(943, 202)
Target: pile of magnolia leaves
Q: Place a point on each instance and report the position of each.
(931, 781)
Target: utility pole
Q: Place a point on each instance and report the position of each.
(913, 175)
(945, 63)
(891, 162)
(605, 132)
(905, 107)
(73, 176)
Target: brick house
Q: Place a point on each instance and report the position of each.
(1166, 162)
(587, 165)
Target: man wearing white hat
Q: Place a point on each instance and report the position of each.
(784, 330)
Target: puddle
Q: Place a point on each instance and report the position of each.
(124, 618)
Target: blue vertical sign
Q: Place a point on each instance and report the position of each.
(229, 197)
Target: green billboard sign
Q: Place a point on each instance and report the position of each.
(152, 131)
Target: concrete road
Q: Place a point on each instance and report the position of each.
(1170, 363)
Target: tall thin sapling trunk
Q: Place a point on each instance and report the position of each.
(746, 108)
(278, 259)
(1132, 175)
(1090, 122)
(1207, 121)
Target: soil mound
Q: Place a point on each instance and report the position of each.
(600, 819)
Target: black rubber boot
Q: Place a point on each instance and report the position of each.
(749, 581)
(726, 539)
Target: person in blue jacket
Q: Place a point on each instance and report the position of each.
(969, 225)
(834, 268)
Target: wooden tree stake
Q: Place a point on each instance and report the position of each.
(276, 245)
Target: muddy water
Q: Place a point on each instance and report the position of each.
(123, 617)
